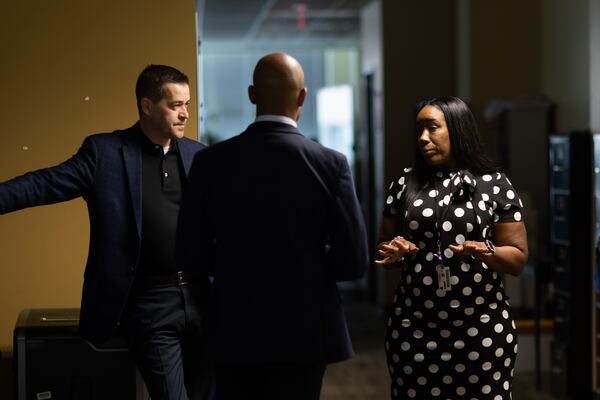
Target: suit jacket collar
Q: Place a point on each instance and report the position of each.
(276, 118)
(186, 153)
(271, 127)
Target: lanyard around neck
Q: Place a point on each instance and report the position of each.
(439, 218)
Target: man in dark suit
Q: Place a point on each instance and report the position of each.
(132, 182)
(273, 217)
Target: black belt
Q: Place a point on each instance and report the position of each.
(177, 279)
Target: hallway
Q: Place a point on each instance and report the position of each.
(365, 376)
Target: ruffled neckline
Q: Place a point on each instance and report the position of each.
(461, 182)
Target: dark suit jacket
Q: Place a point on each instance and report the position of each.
(276, 222)
(106, 171)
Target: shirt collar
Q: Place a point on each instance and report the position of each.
(151, 147)
(276, 118)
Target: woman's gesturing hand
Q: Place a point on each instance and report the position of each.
(477, 250)
(392, 251)
(508, 253)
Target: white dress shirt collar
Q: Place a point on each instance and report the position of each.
(276, 118)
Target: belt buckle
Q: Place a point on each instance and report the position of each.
(180, 279)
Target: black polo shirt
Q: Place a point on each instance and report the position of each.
(162, 180)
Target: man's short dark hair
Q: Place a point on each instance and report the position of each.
(150, 83)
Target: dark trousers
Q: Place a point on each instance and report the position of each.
(164, 328)
(269, 382)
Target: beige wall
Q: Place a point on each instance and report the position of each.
(566, 61)
(505, 64)
(54, 55)
(504, 55)
(418, 63)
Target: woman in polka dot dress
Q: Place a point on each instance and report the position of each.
(455, 225)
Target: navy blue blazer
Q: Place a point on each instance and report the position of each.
(274, 218)
(106, 172)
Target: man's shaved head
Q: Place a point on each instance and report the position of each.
(278, 85)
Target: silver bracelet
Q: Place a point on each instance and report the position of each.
(490, 246)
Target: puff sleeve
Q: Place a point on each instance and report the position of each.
(391, 206)
(508, 207)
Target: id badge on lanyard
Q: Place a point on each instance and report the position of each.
(443, 277)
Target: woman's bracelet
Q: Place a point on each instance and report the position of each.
(490, 246)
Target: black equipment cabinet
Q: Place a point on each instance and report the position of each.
(559, 192)
(52, 361)
(574, 193)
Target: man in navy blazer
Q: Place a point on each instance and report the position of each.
(273, 217)
(132, 182)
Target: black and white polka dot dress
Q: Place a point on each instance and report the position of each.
(455, 340)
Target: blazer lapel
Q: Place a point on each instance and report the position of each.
(187, 155)
(132, 158)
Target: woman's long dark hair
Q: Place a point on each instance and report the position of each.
(465, 142)
(465, 145)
